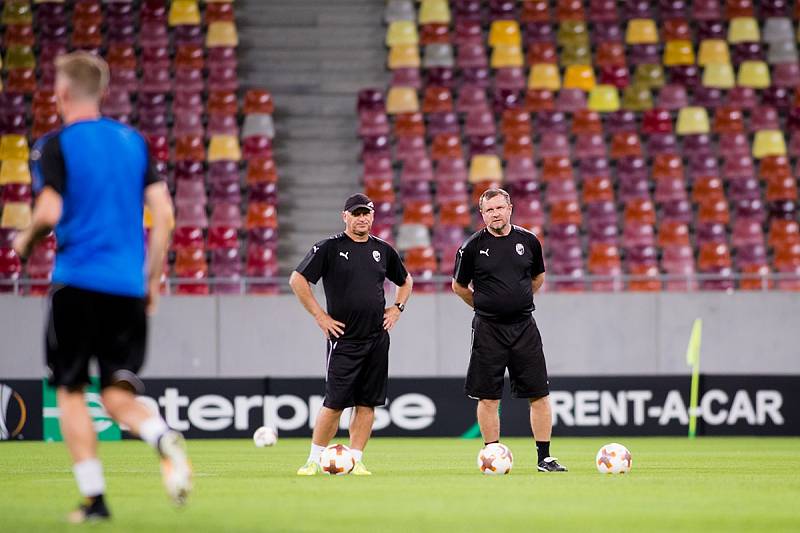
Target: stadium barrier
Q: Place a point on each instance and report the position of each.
(582, 406)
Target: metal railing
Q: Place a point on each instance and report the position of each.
(553, 283)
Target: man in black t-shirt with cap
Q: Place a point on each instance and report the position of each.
(353, 266)
(497, 271)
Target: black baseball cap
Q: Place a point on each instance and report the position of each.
(358, 201)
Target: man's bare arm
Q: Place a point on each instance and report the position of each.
(465, 293)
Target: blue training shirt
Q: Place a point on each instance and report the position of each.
(100, 168)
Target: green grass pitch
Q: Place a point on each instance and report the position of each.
(711, 484)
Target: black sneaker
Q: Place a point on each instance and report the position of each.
(93, 510)
(550, 464)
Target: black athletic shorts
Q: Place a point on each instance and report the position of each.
(86, 324)
(357, 372)
(497, 346)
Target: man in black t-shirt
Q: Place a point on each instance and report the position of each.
(497, 271)
(353, 266)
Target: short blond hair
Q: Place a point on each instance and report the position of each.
(87, 74)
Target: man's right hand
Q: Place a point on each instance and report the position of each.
(329, 326)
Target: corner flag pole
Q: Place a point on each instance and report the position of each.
(693, 360)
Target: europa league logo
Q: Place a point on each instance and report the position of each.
(12, 414)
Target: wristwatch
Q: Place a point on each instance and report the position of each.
(400, 306)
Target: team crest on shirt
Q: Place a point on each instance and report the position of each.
(520, 249)
(376, 255)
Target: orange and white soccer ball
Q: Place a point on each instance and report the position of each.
(613, 458)
(495, 459)
(337, 460)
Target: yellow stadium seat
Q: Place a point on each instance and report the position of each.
(579, 77)
(485, 168)
(222, 34)
(651, 76)
(713, 51)
(692, 121)
(184, 13)
(637, 98)
(20, 57)
(743, 29)
(17, 12)
(404, 56)
(224, 148)
(678, 52)
(507, 56)
(544, 76)
(434, 12)
(402, 32)
(16, 215)
(572, 32)
(604, 99)
(576, 54)
(641, 31)
(505, 33)
(768, 142)
(13, 147)
(754, 74)
(14, 171)
(402, 100)
(719, 75)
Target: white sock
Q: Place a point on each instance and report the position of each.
(316, 451)
(357, 454)
(152, 429)
(89, 475)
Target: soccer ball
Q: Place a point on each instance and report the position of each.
(613, 459)
(337, 460)
(495, 459)
(265, 436)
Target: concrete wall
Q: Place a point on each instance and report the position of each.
(591, 334)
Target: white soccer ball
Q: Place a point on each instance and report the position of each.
(337, 460)
(265, 436)
(613, 458)
(495, 459)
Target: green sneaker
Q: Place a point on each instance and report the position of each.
(311, 468)
(360, 470)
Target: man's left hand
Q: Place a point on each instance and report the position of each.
(390, 317)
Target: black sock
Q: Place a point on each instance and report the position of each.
(543, 449)
(493, 442)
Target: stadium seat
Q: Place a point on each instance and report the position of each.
(692, 121)
(768, 143)
(434, 12)
(603, 98)
(184, 12)
(637, 97)
(713, 52)
(221, 34)
(13, 147)
(641, 31)
(401, 100)
(224, 147)
(16, 215)
(743, 29)
(257, 124)
(399, 10)
(754, 74)
(578, 77)
(401, 32)
(14, 171)
(506, 56)
(544, 76)
(504, 33)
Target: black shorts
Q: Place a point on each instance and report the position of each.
(86, 324)
(357, 372)
(497, 346)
